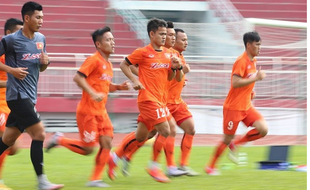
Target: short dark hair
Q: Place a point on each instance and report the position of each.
(154, 23)
(97, 35)
(251, 37)
(29, 8)
(177, 30)
(11, 24)
(170, 24)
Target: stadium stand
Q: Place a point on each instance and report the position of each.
(69, 23)
(289, 10)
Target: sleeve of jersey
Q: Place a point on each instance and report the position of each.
(2, 59)
(135, 58)
(88, 66)
(239, 68)
(6, 44)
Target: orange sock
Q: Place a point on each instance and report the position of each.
(186, 147)
(131, 152)
(158, 146)
(102, 158)
(73, 145)
(129, 144)
(218, 152)
(2, 159)
(250, 136)
(169, 151)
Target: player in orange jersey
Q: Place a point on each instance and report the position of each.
(180, 112)
(95, 78)
(156, 66)
(237, 106)
(11, 25)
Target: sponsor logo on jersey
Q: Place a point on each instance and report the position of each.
(151, 56)
(159, 65)
(106, 77)
(29, 56)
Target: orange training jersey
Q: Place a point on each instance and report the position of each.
(240, 98)
(98, 73)
(153, 72)
(3, 76)
(175, 87)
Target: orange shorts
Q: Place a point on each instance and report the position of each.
(152, 113)
(231, 119)
(93, 126)
(180, 112)
(3, 118)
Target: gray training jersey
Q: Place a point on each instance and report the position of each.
(21, 51)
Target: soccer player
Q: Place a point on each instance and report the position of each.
(26, 48)
(156, 67)
(237, 106)
(11, 25)
(180, 112)
(95, 78)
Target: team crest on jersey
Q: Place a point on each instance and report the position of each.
(249, 66)
(104, 67)
(168, 55)
(39, 45)
(151, 56)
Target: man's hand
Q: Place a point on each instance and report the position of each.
(260, 74)
(176, 62)
(125, 86)
(98, 97)
(44, 58)
(19, 73)
(137, 85)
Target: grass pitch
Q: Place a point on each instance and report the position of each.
(63, 166)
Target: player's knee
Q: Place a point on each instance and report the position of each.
(164, 132)
(190, 131)
(39, 136)
(13, 150)
(263, 132)
(152, 134)
(173, 133)
(88, 150)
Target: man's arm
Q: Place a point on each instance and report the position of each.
(44, 61)
(238, 81)
(124, 86)
(125, 67)
(19, 73)
(2, 84)
(80, 80)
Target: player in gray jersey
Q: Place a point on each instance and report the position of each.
(25, 57)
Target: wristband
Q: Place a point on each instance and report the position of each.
(173, 69)
(180, 68)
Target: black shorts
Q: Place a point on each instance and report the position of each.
(23, 114)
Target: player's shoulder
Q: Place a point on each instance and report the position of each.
(241, 59)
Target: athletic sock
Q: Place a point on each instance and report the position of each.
(250, 136)
(128, 144)
(36, 155)
(158, 146)
(3, 146)
(73, 145)
(169, 151)
(102, 158)
(218, 152)
(186, 147)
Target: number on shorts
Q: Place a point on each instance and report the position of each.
(160, 113)
(230, 125)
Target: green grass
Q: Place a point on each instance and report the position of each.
(63, 166)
